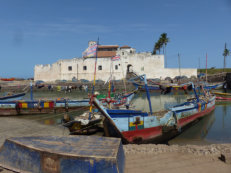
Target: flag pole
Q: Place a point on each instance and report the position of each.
(206, 67)
(93, 87)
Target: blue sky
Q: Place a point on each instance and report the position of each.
(42, 32)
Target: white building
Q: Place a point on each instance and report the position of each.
(83, 68)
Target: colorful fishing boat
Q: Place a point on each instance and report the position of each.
(142, 127)
(87, 124)
(223, 96)
(12, 97)
(21, 107)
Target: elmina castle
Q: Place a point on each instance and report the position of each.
(129, 61)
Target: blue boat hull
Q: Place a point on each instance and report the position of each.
(89, 154)
(13, 97)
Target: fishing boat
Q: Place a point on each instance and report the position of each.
(135, 126)
(25, 107)
(223, 96)
(150, 87)
(12, 97)
(87, 124)
(8, 79)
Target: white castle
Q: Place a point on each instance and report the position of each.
(83, 68)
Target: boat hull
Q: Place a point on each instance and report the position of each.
(63, 154)
(139, 127)
(8, 108)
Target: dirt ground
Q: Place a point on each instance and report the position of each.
(139, 158)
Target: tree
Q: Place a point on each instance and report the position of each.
(164, 40)
(225, 54)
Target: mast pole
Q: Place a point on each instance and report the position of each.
(206, 67)
(93, 87)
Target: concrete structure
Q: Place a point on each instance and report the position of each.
(83, 68)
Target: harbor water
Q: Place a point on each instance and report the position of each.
(213, 128)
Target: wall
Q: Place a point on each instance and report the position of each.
(142, 63)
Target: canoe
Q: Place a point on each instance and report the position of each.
(22, 107)
(86, 125)
(7, 79)
(55, 154)
(223, 96)
(12, 97)
(134, 126)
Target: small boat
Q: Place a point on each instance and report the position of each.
(142, 87)
(87, 124)
(135, 126)
(216, 86)
(223, 96)
(8, 79)
(27, 107)
(12, 97)
(53, 154)
(83, 125)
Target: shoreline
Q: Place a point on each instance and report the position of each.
(139, 158)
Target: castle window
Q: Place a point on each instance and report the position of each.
(100, 67)
(122, 53)
(69, 68)
(84, 67)
(116, 67)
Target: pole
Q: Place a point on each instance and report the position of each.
(179, 64)
(31, 90)
(93, 87)
(206, 67)
(147, 92)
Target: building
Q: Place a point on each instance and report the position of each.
(83, 68)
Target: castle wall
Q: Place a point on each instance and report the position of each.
(83, 68)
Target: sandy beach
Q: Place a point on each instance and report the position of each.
(139, 158)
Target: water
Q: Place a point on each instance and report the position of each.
(213, 128)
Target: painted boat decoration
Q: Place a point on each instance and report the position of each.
(12, 97)
(134, 126)
(63, 154)
(223, 96)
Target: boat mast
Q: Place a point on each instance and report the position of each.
(147, 92)
(179, 65)
(206, 69)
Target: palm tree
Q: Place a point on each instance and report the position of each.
(157, 47)
(164, 40)
(225, 54)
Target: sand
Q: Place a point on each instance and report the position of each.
(139, 158)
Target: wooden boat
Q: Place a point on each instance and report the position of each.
(21, 107)
(7, 79)
(12, 97)
(87, 124)
(150, 87)
(223, 96)
(141, 127)
(83, 125)
(53, 154)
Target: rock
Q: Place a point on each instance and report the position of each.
(225, 157)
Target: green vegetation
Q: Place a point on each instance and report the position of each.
(214, 70)
(225, 54)
(161, 43)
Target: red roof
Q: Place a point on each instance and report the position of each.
(125, 46)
